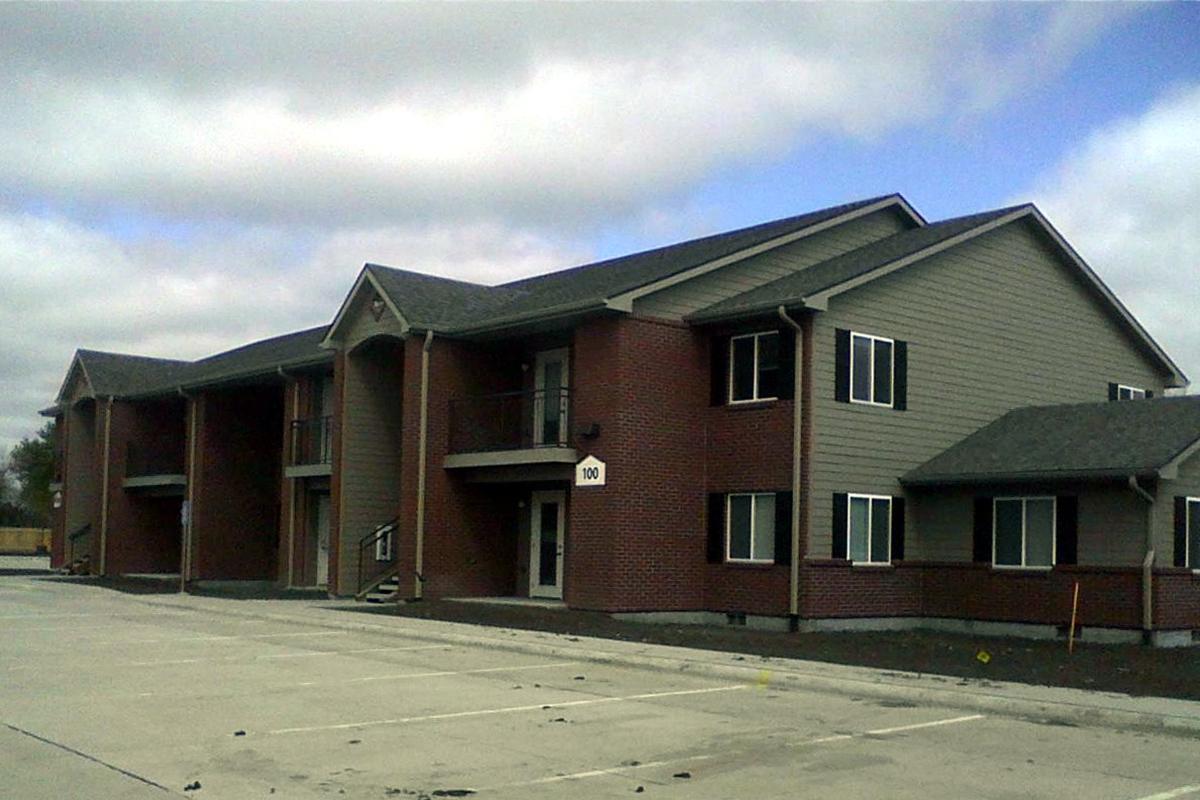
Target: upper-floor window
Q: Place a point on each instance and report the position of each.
(871, 364)
(1187, 532)
(871, 370)
(754, 367)
(1119, 391)
(1023, 532)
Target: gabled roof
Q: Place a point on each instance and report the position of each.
(116, 374)
(1090, 441)
(453, 307)
(795, 289)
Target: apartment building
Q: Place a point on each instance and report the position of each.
(849, 417)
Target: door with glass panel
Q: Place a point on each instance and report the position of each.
(547, 531)
(550, 399)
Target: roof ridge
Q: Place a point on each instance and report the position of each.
(89, 351)
(699, 239)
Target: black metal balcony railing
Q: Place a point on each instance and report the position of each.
(141, 461)
(510, 421)
(312, 441)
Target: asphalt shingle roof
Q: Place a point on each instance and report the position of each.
(1082, 441)
(792, 289)
(120, 373)
(452, 306)
(256, 358)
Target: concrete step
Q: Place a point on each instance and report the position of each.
(386, 592)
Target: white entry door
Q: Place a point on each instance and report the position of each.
(321, 520)
(550, 399)
(548, 524)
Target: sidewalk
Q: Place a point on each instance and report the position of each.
(1037, 703)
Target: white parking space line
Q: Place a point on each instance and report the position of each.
(505, 710)
(678, 762)
(918, 726)
(1182, 791)
(310, 654)
(445, 674)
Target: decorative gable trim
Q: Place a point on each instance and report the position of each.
(365, 279)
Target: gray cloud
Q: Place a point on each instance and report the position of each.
(330, 114)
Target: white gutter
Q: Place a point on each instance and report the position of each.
(797, 366)
(422, 443)
(1148, 561)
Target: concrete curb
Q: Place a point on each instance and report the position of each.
(1072, 707)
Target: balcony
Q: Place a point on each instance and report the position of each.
(312, 447)
(155, 469)
(511, 428)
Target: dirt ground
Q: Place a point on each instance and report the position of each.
(1129, 669)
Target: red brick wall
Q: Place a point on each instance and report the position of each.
(335, 482)
(639, 542)
(235, 525)
(1176, 599)
(830, 588)
(144, 532)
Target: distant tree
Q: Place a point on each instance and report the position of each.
(31, 462)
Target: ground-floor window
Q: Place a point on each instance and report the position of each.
(869, 528)
(1023, 532)
(1187, 532)
(750, 527)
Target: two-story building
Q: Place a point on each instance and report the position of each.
(849, 417)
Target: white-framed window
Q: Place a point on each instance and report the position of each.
(383, 545)
(869, 528)
(1192, 534)
(872, 368)
(750, 527)
(1023, 532)
(754, 367)
(1129, 392)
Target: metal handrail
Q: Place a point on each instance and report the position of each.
(510, 420)
(84, 530)
(312, 440)
(371, 540)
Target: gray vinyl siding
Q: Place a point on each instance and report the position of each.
(360, 324)
(370, 466)
(683, 298)
(80, 477)
(1112, 522)
(992, 324)
(1187, 485)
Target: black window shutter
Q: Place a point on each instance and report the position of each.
(840, 509)
(1149, 394)
(1181, 531)
(897, 529)
(783, 527)
(716, 528)
(841, 365)
(787, 364)
(900, 376)
(1112, 392)
(1066, 533)
(720, 370)
(982, 549)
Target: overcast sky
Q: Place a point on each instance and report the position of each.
(178, 179)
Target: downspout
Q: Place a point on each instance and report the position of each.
(422, 442)
(289, 452)
(104, 487)
(797, 408)
(185, 551)
(1148, 561)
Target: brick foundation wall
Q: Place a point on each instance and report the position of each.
(1176, 599)
(834, 588)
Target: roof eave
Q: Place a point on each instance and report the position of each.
(1051, 476)
(515, 320)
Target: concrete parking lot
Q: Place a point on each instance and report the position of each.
(110, 695)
